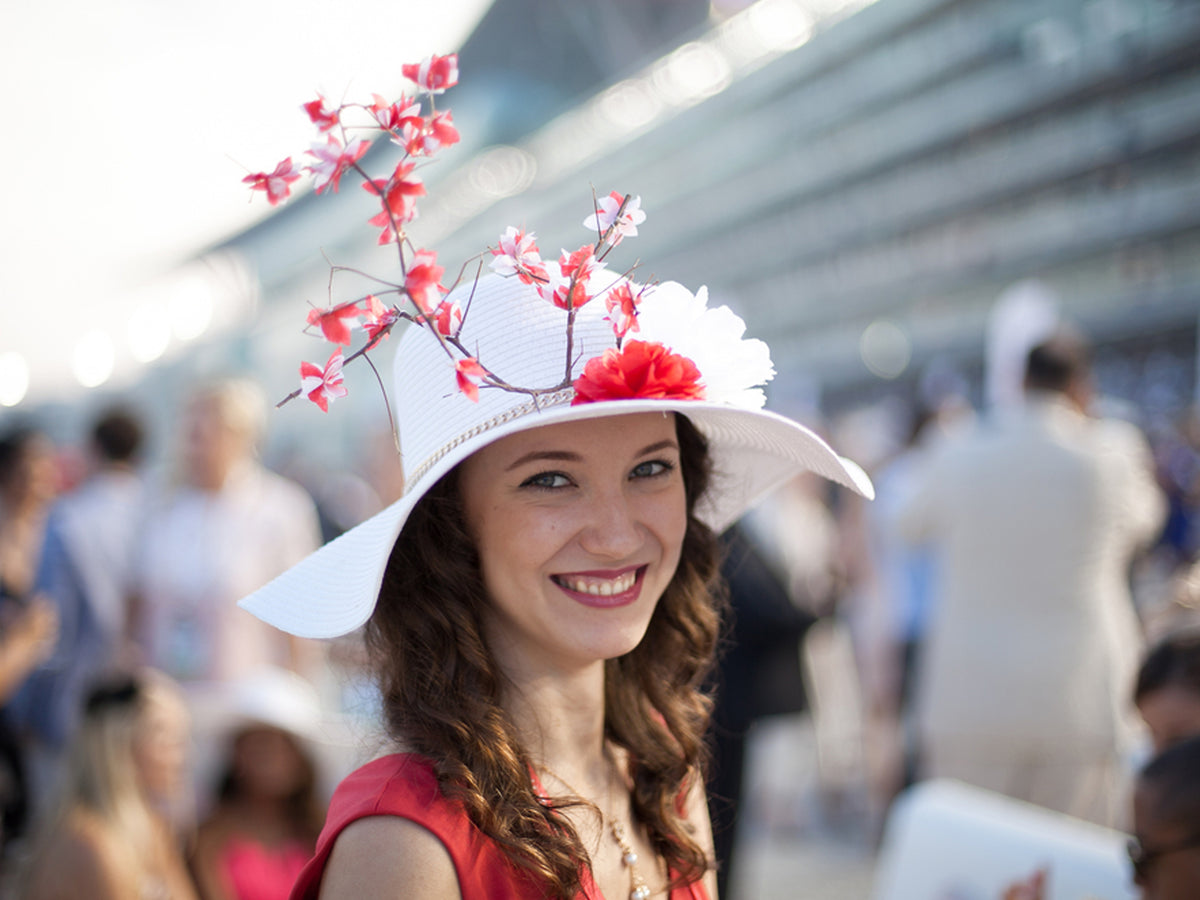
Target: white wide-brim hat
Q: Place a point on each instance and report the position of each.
(267, 697)
(523, 339)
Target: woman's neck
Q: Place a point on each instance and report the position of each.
(560, 719)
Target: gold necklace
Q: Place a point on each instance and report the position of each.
(639, 890)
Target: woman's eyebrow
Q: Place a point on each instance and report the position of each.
(571, 456)
(661, 445)
(541, 455)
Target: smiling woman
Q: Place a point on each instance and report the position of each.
(547, 567)
(540, 605)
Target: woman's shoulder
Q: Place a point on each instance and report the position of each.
(383, 854)
(82, 850)
(390, 825)
(85, 835)
(380, 833)
(396, 778)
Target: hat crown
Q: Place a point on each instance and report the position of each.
(519, 336)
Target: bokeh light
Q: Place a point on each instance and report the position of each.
(94, 359)
(14, 378)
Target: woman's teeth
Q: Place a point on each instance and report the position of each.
(598, 587)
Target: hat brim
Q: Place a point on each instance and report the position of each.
(333, 591)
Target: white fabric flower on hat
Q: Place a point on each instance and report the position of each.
(731, 368)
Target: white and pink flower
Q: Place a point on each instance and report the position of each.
(422, 281)
(518, 255)
(277, 184)
(608, 214)
(332, 161)
(569, 280)
(322, 386)
(324, 118)
(433, 74)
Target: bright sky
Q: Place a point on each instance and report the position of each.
(129, 125)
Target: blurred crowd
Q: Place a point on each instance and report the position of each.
(155, 740)
(1012, 601)
(1021, 601)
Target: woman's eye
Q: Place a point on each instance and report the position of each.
(547, 480)
(650, 468)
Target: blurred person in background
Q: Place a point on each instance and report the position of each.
(228, 527)
(226, 530)
(1035, 514)
(1167, 692)
(758, 675)
(268, 814)
(899, 579)
(86, 571)
(28, 484)
(1165, 850)
(111, 837)
(28, 624)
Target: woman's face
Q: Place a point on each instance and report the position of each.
(1171, 713)
(579, 527)
(1173, 870)
(267, 762)
(160, 744)
(34, 477)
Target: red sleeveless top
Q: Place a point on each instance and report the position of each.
(404, 785)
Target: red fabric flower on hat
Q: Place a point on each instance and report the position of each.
(639, 370)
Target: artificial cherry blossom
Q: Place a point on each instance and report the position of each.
(394, 116)
(518, 255)
(332, 160)
(324, 119)
(335, 323)
(378, 320)
(622, 309)
(399, 198)
(569, 278)
(323, 385)
(440, 132)
(421, 282)
(468, 372)
(277, 184)
(448, 318)
(606, 216)
(434, 74)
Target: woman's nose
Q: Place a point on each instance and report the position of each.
(612, 530)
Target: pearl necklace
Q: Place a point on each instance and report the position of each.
(629, 858)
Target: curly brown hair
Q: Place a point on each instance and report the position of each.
(441, 687)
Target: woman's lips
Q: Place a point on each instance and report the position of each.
(602, 589)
